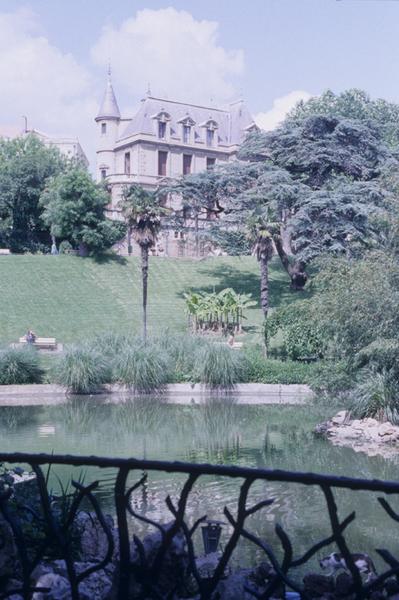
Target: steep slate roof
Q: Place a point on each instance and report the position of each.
(232, 123)
(109, 108)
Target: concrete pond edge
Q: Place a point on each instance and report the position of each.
(177, 393)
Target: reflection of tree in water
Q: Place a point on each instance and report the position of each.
(140, 415)
(13, 417)
(216, 432)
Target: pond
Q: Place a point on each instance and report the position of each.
(273, 436)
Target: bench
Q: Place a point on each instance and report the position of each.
(41, 343)
(4, 251)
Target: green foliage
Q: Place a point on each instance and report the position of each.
(74, 210)
(353, 104)
(259, 369)
(331, 377)
(221, 311)
(218, 366)
(143, 367)
(301, 337)
(65, 247)
(19, 366)
(25, 167)
(376, 395)
(82, 370)
(356, 302)
(182, 350)
(142, 210)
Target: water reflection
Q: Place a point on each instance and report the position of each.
(220, 432)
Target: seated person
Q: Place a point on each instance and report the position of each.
(30, 337)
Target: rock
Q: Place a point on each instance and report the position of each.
(8, 551)
(343, 584)
(391, 586)
(53, 575)
(317, 585)
(174, 565)
(59, 588)
(234, 586)
(386, 429)
(322, 428)
(340, 418)
(93, 543)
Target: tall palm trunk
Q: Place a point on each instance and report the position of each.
(264, 284)
(196, 228)
(144, 278)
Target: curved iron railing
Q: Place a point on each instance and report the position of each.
(145, 570)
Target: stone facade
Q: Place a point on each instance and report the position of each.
(164, 140)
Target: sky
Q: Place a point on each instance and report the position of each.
(54, 56)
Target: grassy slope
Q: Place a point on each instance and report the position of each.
(72, 298)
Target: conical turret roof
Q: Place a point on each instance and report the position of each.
(109, 108)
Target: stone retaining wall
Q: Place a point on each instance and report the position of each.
(179, 393)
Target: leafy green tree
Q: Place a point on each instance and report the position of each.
(353, 104)
(142, 210)
(325, 191)
(73, 208)
(25, 167)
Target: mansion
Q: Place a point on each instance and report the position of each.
(164, 140)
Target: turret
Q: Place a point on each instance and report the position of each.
(107, 120)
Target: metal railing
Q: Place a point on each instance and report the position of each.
(145, 571)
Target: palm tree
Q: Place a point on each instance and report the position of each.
(143, 211)
(263, 249)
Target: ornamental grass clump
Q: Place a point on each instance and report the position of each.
(82, 370)
(218, 366)
(143, 367)
(182, 350)
(20, 366)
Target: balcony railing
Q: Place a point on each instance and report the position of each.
(138, 572)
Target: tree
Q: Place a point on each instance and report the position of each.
(353, 104)
(142, 211)
(326, 188)
(74, 208)
(25, 167)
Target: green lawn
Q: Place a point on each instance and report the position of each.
(71, 298)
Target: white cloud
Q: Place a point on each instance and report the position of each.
(41, 82)
(178, 55)
(281, 106)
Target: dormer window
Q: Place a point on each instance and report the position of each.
(103, 128)
(186, 134)
(163, 118)
(210, 136)
(210, 127)
(161, 130)
(187, 123)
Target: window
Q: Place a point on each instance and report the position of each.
(103, 173)
(210, 163)
(187, 164)
(186, 134)
(210, 134)
(161, 130)
(127, 163)
(162, 160)
(103, 128)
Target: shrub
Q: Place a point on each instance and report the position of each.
(331, 377)
(259, 369)
(375, 396)
(19, 366)
(217, 365)
(182, 350)
(82, 370)
(65, 247)
(300, 337)
(144, 367)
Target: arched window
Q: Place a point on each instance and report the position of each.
(103, 128)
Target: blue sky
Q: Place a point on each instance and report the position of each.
(54, 54)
